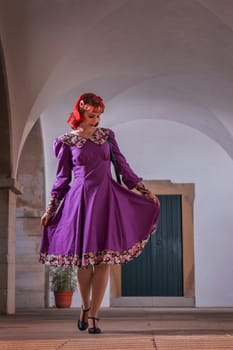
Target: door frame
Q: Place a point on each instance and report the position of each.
(187, 192)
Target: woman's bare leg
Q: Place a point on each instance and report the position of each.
(99, 284)
(85, 277)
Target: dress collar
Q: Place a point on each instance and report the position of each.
(99, 136)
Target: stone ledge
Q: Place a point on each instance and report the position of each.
(11, 184)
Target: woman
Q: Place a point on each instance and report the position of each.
(96, 222)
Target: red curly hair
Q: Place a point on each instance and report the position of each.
(87, 101)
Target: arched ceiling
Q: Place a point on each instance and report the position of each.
(5, 135)
(221, 9)
(174, 55)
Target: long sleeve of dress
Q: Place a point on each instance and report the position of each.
(129, 178)
(64, 169)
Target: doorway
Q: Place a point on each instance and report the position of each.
(158, 271)
(164, 273)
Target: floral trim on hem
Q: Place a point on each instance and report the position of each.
(94, 258)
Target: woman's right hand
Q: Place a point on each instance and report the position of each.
(45, 219)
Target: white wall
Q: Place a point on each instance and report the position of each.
(167, 150)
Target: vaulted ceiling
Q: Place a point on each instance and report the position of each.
(163, 59)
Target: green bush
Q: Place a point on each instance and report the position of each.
(63, 278)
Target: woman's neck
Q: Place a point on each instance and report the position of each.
(84, 131)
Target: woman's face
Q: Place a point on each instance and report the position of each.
(90, 119)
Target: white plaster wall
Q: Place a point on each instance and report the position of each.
(167, 150)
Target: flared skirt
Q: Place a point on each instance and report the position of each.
(104, 223)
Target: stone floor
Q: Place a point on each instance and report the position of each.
(132, 328)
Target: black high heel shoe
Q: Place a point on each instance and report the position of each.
(82, 325)
(94, 329)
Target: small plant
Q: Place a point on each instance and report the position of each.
(63, 279)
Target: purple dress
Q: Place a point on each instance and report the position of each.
(98, 220)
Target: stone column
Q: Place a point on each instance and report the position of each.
(9, 188)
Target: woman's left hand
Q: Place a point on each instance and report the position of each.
(153, 198)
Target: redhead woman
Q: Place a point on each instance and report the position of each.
(94, 221)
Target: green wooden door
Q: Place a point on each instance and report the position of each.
(158, 270)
